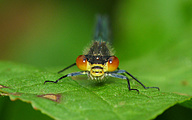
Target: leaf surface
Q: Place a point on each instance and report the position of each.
(83, 99)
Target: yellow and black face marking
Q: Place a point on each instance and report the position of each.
(99, 62)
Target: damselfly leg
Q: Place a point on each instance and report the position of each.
(67, 68)
(116, 75)
(68, 75)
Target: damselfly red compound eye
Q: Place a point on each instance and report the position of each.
(113, 63)
(81, 62)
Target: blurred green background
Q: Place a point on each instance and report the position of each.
(50, 34)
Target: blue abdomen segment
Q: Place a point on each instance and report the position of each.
(102, 32)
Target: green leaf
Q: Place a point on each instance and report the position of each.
(187, 104)
(83, 99)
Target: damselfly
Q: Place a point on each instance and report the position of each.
(99, 62)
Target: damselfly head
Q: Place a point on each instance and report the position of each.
(97, 61)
